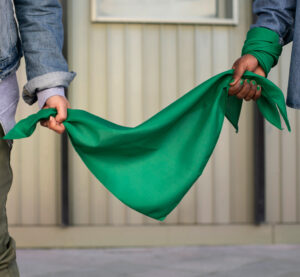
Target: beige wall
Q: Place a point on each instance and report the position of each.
(127, 73)
(282, 157)
(34, 196)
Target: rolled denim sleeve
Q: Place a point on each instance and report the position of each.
(41, 30)
(276, 15)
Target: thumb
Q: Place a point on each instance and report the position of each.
(239, 71)
(61, 113)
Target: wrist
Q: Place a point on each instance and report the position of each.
(45, 94)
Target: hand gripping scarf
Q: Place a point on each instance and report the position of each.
(151, 167)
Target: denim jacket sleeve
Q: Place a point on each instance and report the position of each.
(276, 15)
(41, 30)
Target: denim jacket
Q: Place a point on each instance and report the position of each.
(283, 17)
(38, 35)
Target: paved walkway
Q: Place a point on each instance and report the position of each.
(208, 261)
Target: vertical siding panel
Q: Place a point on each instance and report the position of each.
(203, 68)
(79, 94)
(168, 81)
(49, 165)
(116, 100)
(288, 146)
(98, 106)
(133, 90)
(222, 151)
(272, 165)
(151, 76)
(29, 162)
(29, 166)
(241, 143)
(127, 73)
(186, 81)
(151, 70)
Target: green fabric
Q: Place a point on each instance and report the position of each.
(263, 44)
(151, 167)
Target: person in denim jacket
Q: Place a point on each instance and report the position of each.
(32, 29)
(282, 17)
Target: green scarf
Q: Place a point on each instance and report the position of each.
(151, 167)
(263, 44)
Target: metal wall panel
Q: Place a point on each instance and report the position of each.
(282, 157)
(34, 196)
(126, 73)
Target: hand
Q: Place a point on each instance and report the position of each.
(61, 104)
(246, 89)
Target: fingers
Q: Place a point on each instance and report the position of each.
(258, 93)
(252, 91)
(237, 83)
(61, 104)
(239, 70)
(245, 90)
(53, 125)
(260, 72)
(249, 90)
(61, 112)
(240, 66)
(56, 126)
(236, 88)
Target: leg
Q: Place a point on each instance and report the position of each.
(8, 265)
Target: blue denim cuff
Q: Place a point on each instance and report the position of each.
(43, 95)
(46, 81)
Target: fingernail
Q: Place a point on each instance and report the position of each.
(248, 81)
(241, 81)
(253, 82)
(258, 87)
(232, 80)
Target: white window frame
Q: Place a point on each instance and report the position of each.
(202, 20)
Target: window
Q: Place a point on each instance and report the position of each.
(165, 11)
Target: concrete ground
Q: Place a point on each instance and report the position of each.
(206, 261)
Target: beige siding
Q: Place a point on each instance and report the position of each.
(34, 196)
(126, 73)
(282, 162)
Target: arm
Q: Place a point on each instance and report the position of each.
(41, 30)
(276, 15)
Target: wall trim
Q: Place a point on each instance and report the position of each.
(151, 236)
(143, 236)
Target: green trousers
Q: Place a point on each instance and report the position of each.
(8, 265)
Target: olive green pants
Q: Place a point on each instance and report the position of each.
(8, 265)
